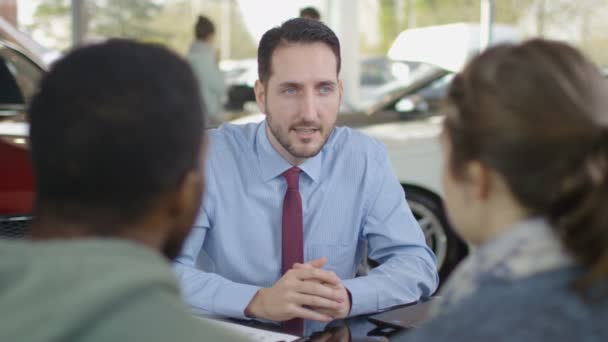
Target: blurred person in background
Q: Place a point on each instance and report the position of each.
(525, 145)
(310, 13)
(204, 61)
(117, 156)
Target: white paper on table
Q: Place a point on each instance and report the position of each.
(251, 332)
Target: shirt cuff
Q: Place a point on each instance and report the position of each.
(364, 296)
(231, 300)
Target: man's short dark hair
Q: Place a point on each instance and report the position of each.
(113, 127)
(297, 30)
(310, 13)
(203, 28)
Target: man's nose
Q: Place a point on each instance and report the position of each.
(308, 106)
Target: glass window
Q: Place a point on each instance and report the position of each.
(23, 72)
(9, 89)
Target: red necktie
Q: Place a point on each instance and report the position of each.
(292, 236)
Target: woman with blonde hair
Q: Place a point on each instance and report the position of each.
(525, 176)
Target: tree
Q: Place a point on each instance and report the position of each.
(169, 22)
(53, 18)
(127, 19)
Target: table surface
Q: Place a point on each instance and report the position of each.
(355, 329)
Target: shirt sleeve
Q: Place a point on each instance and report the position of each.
(205, 292)
(407, 270)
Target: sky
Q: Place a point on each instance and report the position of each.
(259, 21)
(25, 11)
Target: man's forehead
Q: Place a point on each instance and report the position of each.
(296, 49)
(295, 62)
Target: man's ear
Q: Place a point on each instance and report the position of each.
(189, 194)
(479, 177)
(182, 208)
(188, 198)
(260, 95)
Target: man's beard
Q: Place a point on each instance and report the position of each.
(283, 139)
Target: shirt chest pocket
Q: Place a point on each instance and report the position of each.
(341, 258)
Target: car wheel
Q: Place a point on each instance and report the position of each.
(13, 227)
(440, 237)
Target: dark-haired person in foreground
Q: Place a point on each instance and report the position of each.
(116, 136)
(292, 202)
(526, 179)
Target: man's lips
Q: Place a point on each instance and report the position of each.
(305, 130)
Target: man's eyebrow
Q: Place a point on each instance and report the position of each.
(289, 84)
(326, 83)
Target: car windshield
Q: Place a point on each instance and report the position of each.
(404, 75)
(22, 75)
(19, 77)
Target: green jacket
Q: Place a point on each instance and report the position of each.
(93, 290)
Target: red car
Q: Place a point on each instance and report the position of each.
(19, 77)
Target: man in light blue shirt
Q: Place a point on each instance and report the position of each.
(231, 263)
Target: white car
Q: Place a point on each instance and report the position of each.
(407, 119)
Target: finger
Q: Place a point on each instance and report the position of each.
(317, 263)
(306, 266)
(315, 288)
(305, 313)
(322, 311)
(317, 302)
(318, 274)
(336, 314)
(332, 313)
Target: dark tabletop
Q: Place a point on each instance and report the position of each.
(355, 329)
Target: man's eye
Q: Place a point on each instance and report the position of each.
(289, 91)
(326, 89)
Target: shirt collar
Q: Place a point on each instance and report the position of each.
(273, 165)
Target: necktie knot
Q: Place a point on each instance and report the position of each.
(292, 176)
